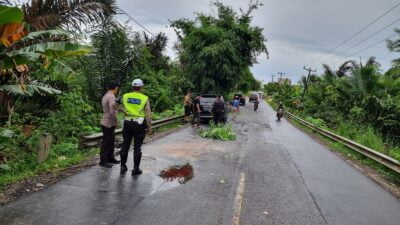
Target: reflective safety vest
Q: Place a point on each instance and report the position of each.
(134, 103)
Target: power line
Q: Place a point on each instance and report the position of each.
(137, 22)
(365, 39)
(142, 26)
(368, 47)
(355, 34)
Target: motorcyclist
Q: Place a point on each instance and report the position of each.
(279, 110)
(256, 102)
(280, 106)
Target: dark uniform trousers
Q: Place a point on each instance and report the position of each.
(133, 130)
(217, 117)
(107, 144)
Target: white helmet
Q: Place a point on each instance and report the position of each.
(137, 83)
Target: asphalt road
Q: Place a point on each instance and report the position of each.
(272, 174)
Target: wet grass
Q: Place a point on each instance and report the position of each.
(61, 157)
(29, 167)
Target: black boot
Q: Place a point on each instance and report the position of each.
(113, 161)
(136, 164)
(123, 168)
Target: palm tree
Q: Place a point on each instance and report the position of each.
(364, 78)
(19, 48)
(50, 14)
(394, 46)
(341, 72)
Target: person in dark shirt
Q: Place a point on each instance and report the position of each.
(218, 110)
(196, 111)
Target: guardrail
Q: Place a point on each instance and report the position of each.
(383, 159)
(94, 139)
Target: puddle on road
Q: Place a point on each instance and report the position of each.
(172, 177)
(181, 174)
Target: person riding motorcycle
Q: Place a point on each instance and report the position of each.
(279, 111)
(256, 102)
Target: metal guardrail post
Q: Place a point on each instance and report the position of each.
(383, 159)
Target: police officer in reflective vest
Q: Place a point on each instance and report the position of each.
(137, 121)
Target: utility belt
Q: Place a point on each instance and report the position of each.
(138, 120)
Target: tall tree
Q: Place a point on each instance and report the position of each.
(217, 51)
(394, 46)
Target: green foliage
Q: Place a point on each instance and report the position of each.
(75, 115)
(10, 14)
(217, 51)
(218, 132)
(394, 46)
(176, 111)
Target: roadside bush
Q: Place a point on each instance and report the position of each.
(75, 116)
(175, 111)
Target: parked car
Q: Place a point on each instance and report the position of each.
(253, 97)
(206, 104)
(242, 99)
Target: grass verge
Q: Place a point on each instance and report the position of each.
(29, 167)
(62, 156)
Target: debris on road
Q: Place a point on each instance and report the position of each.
(218, 132)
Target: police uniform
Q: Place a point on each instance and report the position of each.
(134, 127)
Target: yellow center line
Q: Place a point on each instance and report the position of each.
(237, 207)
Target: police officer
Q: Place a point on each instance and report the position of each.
(137, 121)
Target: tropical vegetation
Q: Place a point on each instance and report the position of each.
(57, 57)
(358, 100)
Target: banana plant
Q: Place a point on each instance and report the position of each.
(19, 48)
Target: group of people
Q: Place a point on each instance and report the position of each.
(194, 107)
(137, 122)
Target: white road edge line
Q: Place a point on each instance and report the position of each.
(237, 204)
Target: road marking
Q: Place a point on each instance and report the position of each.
(237, 204)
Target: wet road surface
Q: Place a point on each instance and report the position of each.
(272, 174)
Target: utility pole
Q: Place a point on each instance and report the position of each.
(281, 74)
(307, 79)
(309, 72)
(272, 78)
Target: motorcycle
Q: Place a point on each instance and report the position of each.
(255, 106)
(279, 114)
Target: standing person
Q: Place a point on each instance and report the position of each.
(137, 120)
(196, 111)
(235, 107)
(108, 124)
(218, 110)
(187, 102)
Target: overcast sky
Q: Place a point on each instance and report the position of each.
(298, 31)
